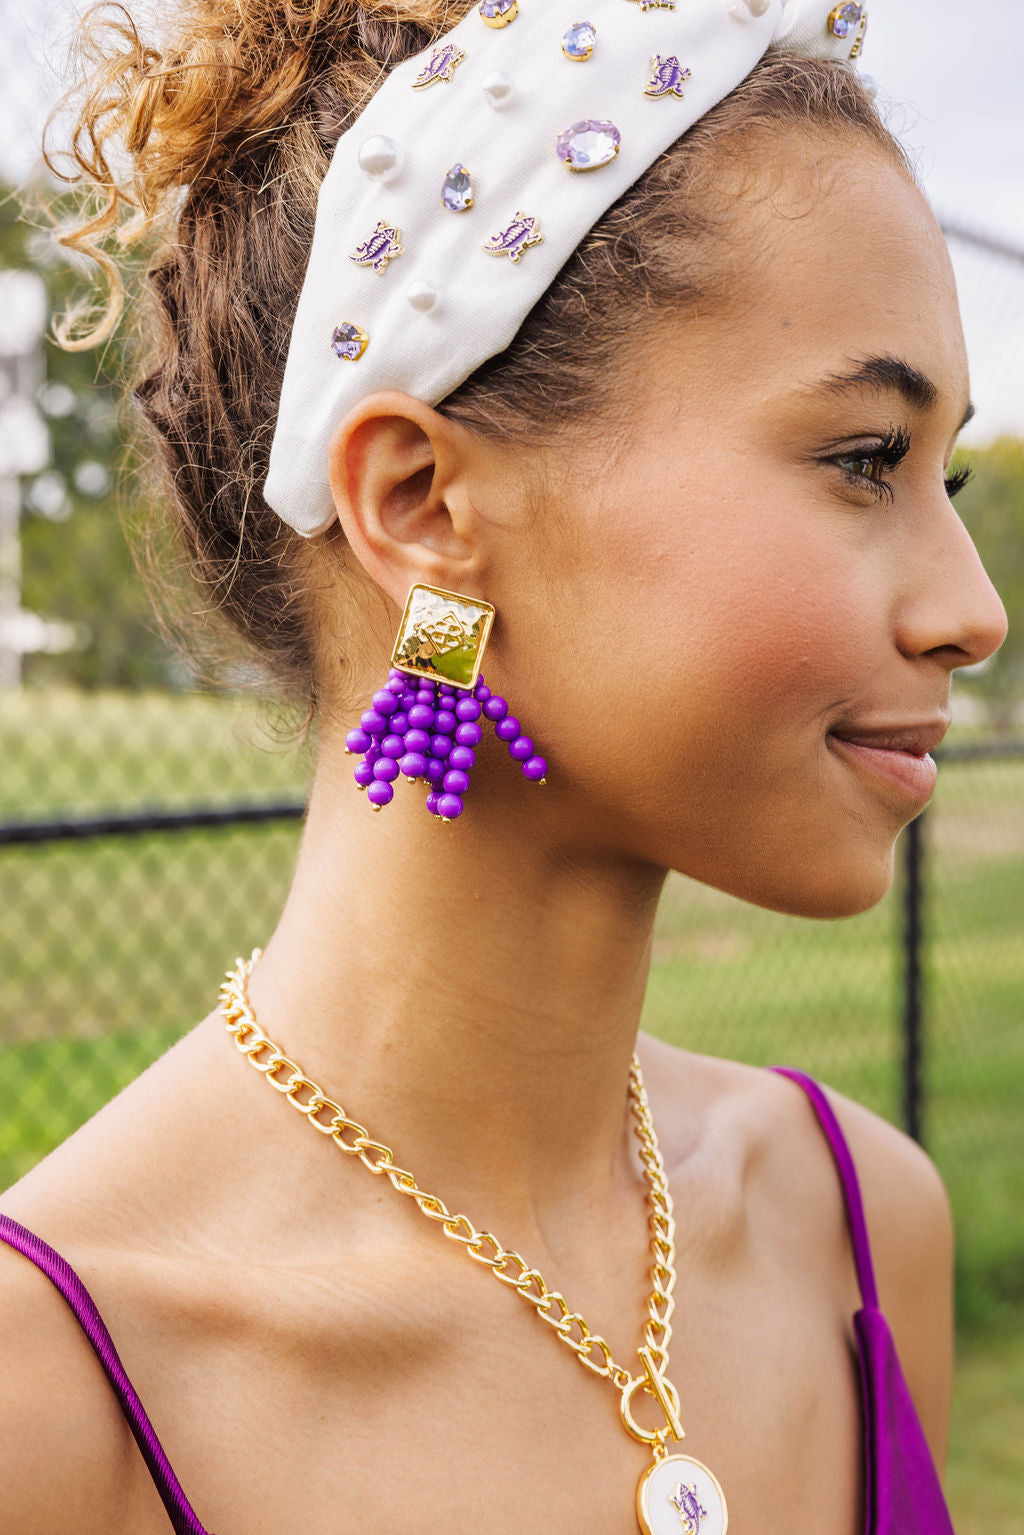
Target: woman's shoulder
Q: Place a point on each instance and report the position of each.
(765, 1123)
(63, 1443)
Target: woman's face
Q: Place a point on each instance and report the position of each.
(750, 618)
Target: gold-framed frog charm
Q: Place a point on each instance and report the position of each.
(680, 1496)
(677, 1495)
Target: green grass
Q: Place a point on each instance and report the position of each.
(985, 1470)
(110, 949)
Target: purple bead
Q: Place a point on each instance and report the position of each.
(363, 774)
(446, 689)
(521, 748)
(413, 765)
(372, 753)
(462, 758)
(373, 723)
(469, 734)
(393, 746)
(397, 675)
(385, 702)
(421, 717)
(417, 741)
(432, 799)
(495, 708)
(397, 683)
(440, 746)
(507, 729)
(380, 794)
(482, 691)
(535, 769)
(467, 709)
(449, 806)
(399, 723)
(456, 783)
(435, 770)
(357, 741)
(445, 722)
(385, 770)
(426, 695)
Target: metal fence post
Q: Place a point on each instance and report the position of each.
(913, 999)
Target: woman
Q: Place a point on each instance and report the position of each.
(706, 489)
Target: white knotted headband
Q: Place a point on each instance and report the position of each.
(472, 175)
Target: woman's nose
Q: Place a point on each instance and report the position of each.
(951, 610)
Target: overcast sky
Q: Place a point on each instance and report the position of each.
(950, 77)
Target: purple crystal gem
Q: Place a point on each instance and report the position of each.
(349, 341)
(847, 17)
(588, 144)
(578, 43)
(498, 13)
(457, 191)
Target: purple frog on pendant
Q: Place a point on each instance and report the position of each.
(380, 248)
(512, 241)
(667, 77)
(691, 1512)
(442, 66)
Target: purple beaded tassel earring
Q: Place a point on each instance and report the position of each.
(427, 721)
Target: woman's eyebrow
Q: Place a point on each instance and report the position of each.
(888, 373)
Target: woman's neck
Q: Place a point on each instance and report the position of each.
(470, 993)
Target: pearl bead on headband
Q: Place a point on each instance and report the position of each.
(472, 175)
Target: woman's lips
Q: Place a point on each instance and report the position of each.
(898, 755)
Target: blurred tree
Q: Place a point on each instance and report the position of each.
(992, 506)
(76, 561)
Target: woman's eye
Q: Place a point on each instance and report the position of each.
(868, 469)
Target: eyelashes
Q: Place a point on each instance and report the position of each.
(888, 453)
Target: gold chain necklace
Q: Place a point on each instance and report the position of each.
(676, 1495)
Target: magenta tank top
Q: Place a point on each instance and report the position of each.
(903, 1493)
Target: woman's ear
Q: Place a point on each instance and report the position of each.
(399, 474)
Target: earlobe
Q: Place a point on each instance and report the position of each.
(395, 471)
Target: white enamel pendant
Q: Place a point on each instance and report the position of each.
(680, 1496)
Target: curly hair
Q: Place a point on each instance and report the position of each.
(206, 154)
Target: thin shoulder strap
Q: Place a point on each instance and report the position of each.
(60, 1274)
(847, 1177)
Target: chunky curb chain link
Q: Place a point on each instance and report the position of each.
(327, 1116)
